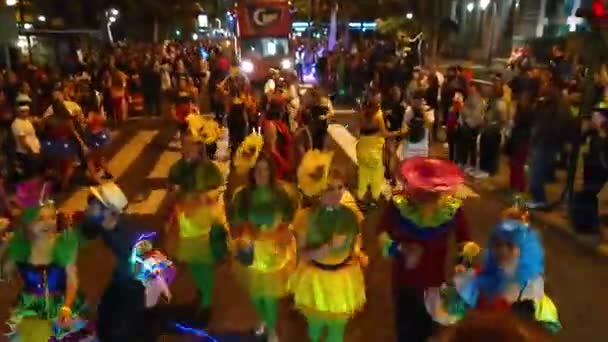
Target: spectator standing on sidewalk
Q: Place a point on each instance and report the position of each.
(26, 140)
(495, 119)
(151, 86)
(518, 141)
(585, 208)
(471, 119)
(550, 118)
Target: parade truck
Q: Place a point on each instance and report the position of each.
(263, 37)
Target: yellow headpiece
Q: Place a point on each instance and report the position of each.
(248, 152)
(313, 172)
(203, 129)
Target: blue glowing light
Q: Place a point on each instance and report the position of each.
(196, 332)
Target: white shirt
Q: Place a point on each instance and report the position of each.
(421, 148)
(24, 128)
(270, 86)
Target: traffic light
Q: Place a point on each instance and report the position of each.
(600, 8)
(597, 14)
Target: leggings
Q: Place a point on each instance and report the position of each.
(335, 329)
(203, 275)
(268, 309)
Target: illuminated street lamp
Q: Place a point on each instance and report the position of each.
(484, 4)
(409, 16)
(470, 6)
(28, 26)
(10, 3)
(114, 12)
(41, 18)
(194, 36)
(111, 17)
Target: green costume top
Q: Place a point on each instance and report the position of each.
(204, 226)
(325, 223)
(262, 207)
(182, 173)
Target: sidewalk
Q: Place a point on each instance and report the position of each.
(556, 219)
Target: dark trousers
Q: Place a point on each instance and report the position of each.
(467, 146)
(584, 210)
(412, 321)
(489, 150)
(121, 313)
(451, 137)
(542, 161)
(152, 104)
(517, 161)
(318, 137)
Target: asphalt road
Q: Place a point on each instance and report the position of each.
(576, 279)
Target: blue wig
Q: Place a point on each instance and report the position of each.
(492, 280)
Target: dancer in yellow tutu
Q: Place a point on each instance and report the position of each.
(200, 240)
(328, 285)
(370, 149)
(259, 216)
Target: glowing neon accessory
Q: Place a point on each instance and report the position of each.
(152, 268)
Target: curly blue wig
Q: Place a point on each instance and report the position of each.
(531, 263)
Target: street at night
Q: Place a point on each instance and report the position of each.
(141, 159)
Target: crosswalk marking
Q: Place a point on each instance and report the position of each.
(117, 165)
(162, 167)
(129, 153)
(150, 205)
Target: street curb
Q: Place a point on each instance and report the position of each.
(545, 221)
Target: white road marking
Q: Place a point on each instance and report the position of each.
(117, 165)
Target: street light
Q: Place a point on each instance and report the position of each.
(194, 36)
(114, 12)
(470, 7)
(10, 3)
(41, 18)
(409, 16)
(112, 19)
(28, 26)
(484, 4)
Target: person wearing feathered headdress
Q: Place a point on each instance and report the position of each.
(415, 229)
(49, 304)
(200, 240)
(328, 285)
(509, 278)
(259, 215)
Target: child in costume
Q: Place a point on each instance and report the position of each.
(415, 230)
(259, 216)
(510, 278)
(201, 236)
(49, 304)
(328, 285)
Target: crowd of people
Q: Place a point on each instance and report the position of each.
(283, 217)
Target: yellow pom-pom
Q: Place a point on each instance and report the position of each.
(247, 153)
(470, 250)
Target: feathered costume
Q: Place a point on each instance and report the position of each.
(415, 231)
(331, 289)
(34, 318)
(266, 248)
(490, 288)
(201, 237)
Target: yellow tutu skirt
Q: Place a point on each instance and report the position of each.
(272, 266)
(328, 294)
(195, 249)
